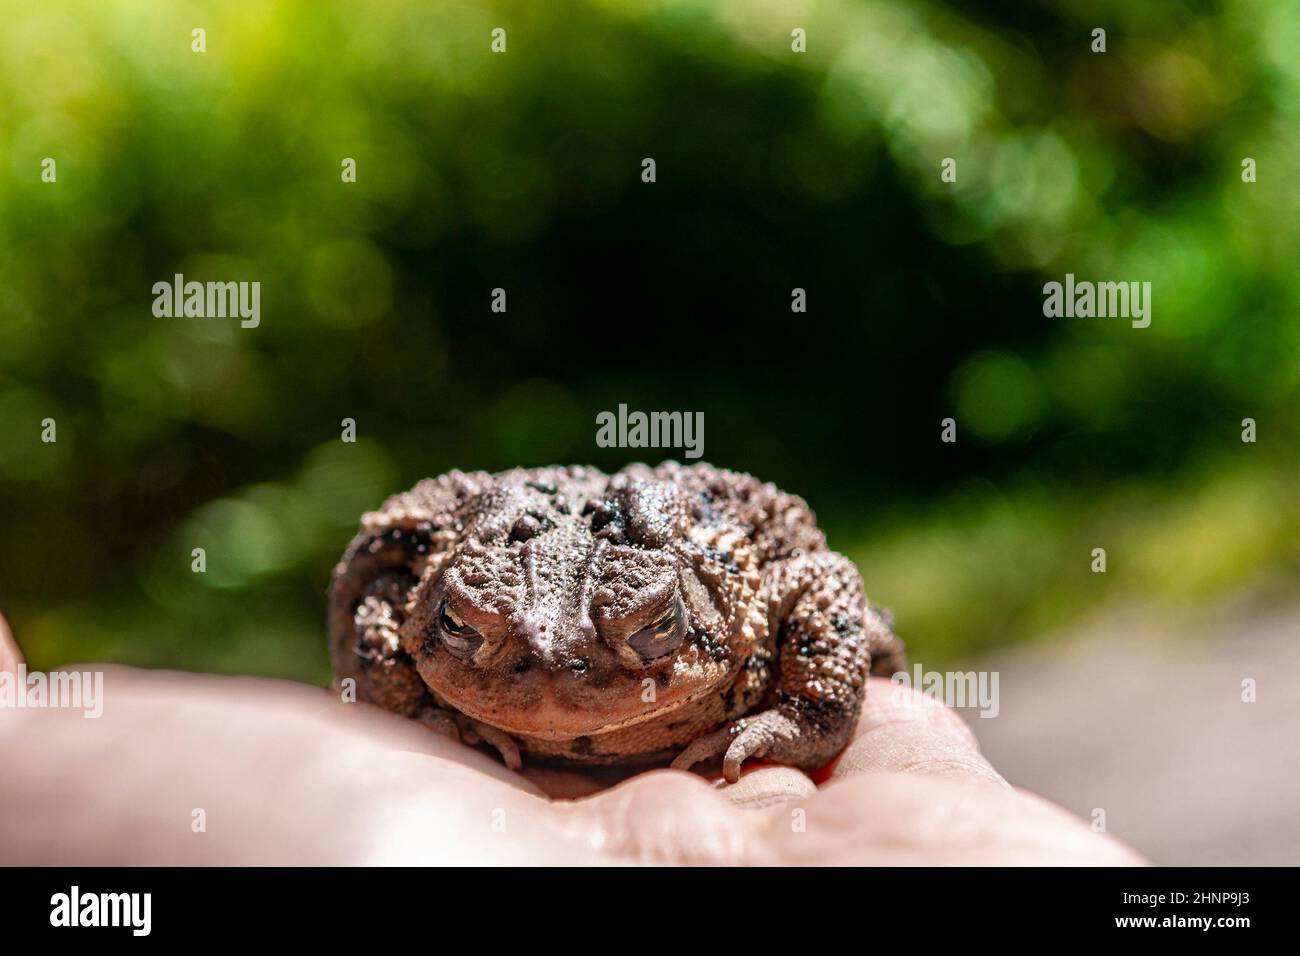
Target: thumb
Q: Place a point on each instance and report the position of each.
(11, 658)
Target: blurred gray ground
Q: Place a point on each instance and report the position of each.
(1146, 721)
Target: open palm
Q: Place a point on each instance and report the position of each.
(194, 768)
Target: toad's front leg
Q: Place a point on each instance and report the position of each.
(828, 638)
(471, 732)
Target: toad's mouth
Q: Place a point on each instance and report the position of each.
(545, 714)
(559, 723)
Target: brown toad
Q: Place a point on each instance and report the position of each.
(669, 612)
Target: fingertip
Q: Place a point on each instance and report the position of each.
(766, 785)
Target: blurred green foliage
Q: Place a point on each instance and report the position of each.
(522, 171)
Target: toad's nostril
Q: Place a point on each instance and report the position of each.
(522, 665)
(578, 666)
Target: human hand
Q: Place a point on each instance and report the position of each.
(285, 773)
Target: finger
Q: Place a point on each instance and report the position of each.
(11, 656)
(672, 817)
(184, 768)
(902, 730)
(881, 819)
(664, 817)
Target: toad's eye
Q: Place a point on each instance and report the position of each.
(459, 638)
(662, 637)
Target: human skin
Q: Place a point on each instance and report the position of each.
(286, 773)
